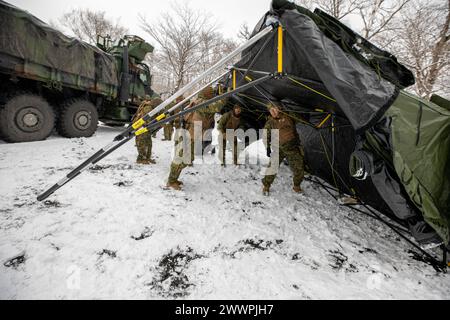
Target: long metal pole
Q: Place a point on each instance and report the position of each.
(197, 91)
(208, 72)
(148, 127)
(102, 153)
(134, 128)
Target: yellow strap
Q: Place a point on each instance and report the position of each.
(160, 117)
(138, 124)
(234, 79)
(248, 97)
(280, 49)
(141, 131)
(313, 90)
(324, 120)
(248, 79)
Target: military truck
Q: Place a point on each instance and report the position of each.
(50, 81)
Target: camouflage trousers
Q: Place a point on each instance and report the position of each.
(178, 164)
(144, 146)
(293, 152)
(168, 131)
(223, 149)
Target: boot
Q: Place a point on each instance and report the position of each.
(174, 185)
(266, 190)
(152, 161)
(297, 189)
(348, 201)
(142, 161)
(423, 233)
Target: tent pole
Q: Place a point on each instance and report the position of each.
(122, 139)
(205, 74)
(254, 60)
(197, 91)
(252, 84)
(280, 49)
(252, 71)
(432, 260)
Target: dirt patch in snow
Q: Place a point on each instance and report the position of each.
(171, 280)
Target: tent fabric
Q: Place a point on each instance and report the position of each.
(308, 53)
(26, 37)
(408, 138)
(420, 133)
(382, 62)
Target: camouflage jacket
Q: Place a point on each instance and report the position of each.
(229, 121)
(287, 129)
(143, 109)
(204, 115)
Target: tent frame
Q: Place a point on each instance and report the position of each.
(153, 121)
(158, 117)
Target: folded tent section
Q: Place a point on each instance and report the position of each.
(330, 70)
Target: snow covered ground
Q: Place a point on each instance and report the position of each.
(115, 232)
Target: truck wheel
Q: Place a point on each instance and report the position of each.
(78, 118)
(26, 117)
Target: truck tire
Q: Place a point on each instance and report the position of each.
(26, 117)
(78, 118)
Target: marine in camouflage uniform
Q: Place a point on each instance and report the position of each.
(168, 131)
(206, 117)
(230, 121)
(289, 147)
(144, 141)
(169, 126)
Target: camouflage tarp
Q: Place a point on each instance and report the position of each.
(24, 36)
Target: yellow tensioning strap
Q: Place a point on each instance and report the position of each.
(138, 124)
(160, 117)
(248, 79)
(253, 99)
(324, 121)
(311, 89)
(140, 131)
(234, 79)
(141, 121)
(280, 49)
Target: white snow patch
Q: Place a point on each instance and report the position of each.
(115, 232)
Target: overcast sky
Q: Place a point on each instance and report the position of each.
(229, 14)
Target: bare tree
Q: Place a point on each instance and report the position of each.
(308, 4)
(421, 41)
(244, 32)
(178, 33)
(336, 8)
(378, 15)
(86, 24)
(339, 8)
(188, 44)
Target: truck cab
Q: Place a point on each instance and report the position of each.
(135, 77)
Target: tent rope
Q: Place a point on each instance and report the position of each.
(433, 261)
(311, 89)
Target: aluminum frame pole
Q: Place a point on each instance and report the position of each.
(206, 73)
(197, 91)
